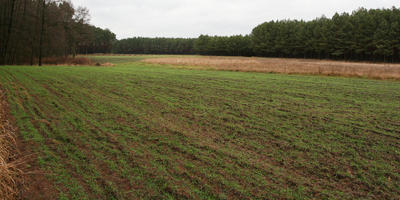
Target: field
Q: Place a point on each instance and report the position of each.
(286, 66)
(148, 131)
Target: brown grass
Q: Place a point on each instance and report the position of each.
(67, 61)
(9, 172)
(287, 66)
(107, 64)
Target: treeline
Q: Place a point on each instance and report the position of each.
(237, 45)
(372, 35)
(141, 45)
(33, 29)
(204, 45)
(96, 40)
(363, 35)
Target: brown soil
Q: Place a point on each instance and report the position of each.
(34, 185)
(287, 66)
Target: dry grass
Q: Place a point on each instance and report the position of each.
(67, 61)
(9, 172)
(74, 61)
(288, 66)
(107, 64)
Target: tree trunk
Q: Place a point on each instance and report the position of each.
(42, 32)
(9, 28)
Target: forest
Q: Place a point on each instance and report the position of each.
(236, 45)
(369, 35)
(372, 35)
(141, 45)
(34, 29)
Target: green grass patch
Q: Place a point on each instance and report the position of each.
(126, 59)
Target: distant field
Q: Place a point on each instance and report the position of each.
(287, 66)
(148, 131)
(124, 59)
(119, 59)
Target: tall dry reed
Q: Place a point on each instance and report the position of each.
(9, 172)
(287, 66)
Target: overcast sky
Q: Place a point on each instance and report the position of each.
(190, 18)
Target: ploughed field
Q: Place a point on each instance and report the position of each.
(149, 131)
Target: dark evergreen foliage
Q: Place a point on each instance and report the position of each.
(96, 40)
(372, 35)
(237, 45)
(141, 45)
